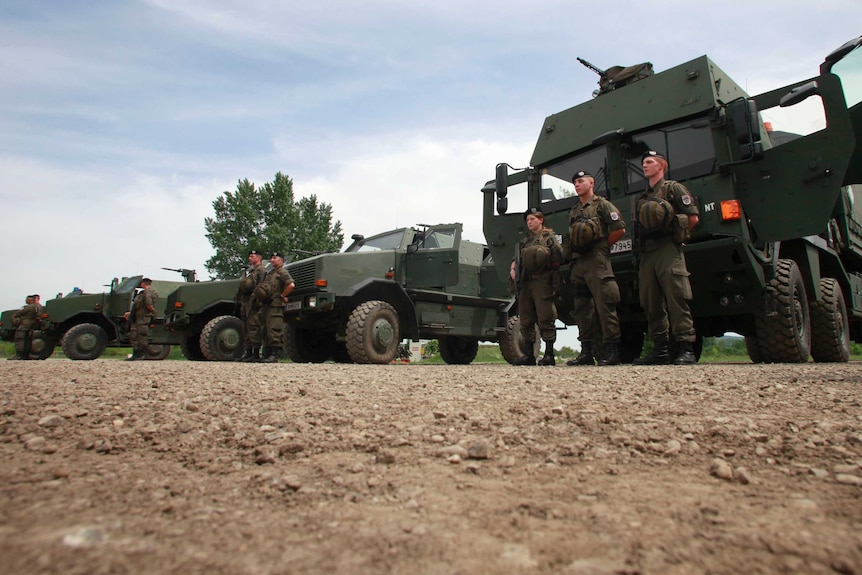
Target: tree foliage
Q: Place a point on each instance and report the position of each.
(269, 219)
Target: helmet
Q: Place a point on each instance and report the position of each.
(536, 258)
(655, 215)
(246, 285)
(584, 233)
(261, 293)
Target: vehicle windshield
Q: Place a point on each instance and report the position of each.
(388, 241)
(128, 284)
(439, 238)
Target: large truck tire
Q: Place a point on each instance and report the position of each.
(753, 348)
(41, 345)
(784, 327)
(373, 333)
(512, 345)
(307, 346)
(456, 350)
(158, 352)
(830, 326)
(190, 346)
(86, 341)
(221, 338)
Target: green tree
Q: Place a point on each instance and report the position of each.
(269, 219)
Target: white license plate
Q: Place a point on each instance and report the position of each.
(292, 305)
(622, 246)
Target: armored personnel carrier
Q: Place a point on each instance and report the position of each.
(777, 255)
(423, 282)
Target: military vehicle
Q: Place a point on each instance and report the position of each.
(84, 324)
(204, 318)
(777, 255)
(422, 282)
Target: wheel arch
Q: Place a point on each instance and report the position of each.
(390, 292)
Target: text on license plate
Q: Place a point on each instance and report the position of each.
(292, 305)
(622, 246)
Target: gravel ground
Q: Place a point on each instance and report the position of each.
(182, 467)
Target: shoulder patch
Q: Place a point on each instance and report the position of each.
(615, 216)
(686, 199)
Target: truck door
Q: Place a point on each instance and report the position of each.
(791, 191)
(433, 263)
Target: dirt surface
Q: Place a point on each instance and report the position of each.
(181, 467)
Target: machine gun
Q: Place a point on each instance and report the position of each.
(190, 276)
(618, 76)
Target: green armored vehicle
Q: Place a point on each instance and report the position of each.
(409, 283)
(84, 324)
(777, 255)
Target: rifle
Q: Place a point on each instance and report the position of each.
(190, 276)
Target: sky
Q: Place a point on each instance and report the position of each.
(121, 121)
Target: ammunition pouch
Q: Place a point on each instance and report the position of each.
(16, 320)
(536, 259)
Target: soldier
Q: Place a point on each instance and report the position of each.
(666, 213)
(272, 294)
(594, 226)
(142, 313)
(25, 321)
(535, 272)
(251, 311)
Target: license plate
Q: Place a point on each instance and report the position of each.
(292, 305)
(622, 246)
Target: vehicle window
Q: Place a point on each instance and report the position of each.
(688, 146)
(439, 238)
(557, 178)
(849, 69)
(390, 241)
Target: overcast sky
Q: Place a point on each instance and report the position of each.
(121, 121)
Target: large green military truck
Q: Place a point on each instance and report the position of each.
(422, 282)
(777, 255)
(84, 324)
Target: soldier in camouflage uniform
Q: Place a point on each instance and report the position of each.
(251, 311)
(140, 317)
(595, 225)
(666, 213)
(25, 321)
(536, 273)
(272, 294)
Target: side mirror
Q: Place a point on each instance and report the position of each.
(798, 94)
(501, 187)
(745, 126)
(502, 205)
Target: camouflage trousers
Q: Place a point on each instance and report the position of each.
(23, 339)
(253, 325)
(273, 315)
(536, 305)
(139, 334)
(664, 293)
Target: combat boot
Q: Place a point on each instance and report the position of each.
(548, 358)
(586, 355)
(686, 354)
(610, 355)
(254, 356)
(268, 355)
(528, 358)
(246, 355)
(658, 355)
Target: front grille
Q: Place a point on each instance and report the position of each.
(303, 273)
